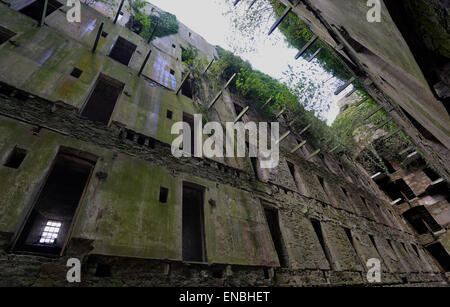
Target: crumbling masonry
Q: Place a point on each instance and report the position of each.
(87, 172)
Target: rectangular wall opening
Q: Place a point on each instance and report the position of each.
(348, 232)
(186, 89)
(255, 164)
(103, 99)
(193, 223)
(272, 219)
(318, 230)
(5, 35)
(122, 51)
(440, 254)
(34, 10)
(48, 225)
(16, 158)
(431, 174)
(291, 167)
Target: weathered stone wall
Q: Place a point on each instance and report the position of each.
(121, 223)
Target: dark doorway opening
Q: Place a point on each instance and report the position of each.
(193, 223)
(238, 109)
(277, 238)
(431, 174)
(421, 220)
(122, 51)
(47, 227)
(186, 89)
(440, 254)
(318, 230)
(255, 163)
(34, 10)
(103, 99)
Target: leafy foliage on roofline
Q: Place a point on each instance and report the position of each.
(143, 22)
(258, 87)
(298, 33)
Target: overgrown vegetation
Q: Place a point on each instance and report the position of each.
(298, 33)
(143, 22)
(258, 87)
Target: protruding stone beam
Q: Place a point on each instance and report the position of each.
(100, 29)
(334, 148)
(306, 47)
(251, 4)
(236, 2)
(229, 81)
(153, 33)
(281, 112)
(305, 129)
(280, 19)
(215, 99)
(362, 101)
(391, 134)
(291, 122)
(343, 87)
(209, 66)
(182, 82)
(401, 153)
(298, 146)
(118, 12)
(351, 92)
(241, 114)
(398, 200)
(266, 103)
(314, 54)
(145, 62)
(221, 91)
(282, 137)
(378, 176)
(383, 123)
(313, 154)
(44, 12)
(372, 113)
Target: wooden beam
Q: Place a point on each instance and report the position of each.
(281, 112)
(229, 81)
(266, 103)
(313, 154)
(343, 87)
(153, 33)
(236, 2)
(280, 19)
(215, 99)
(298, 146)
(383, 123)
(182, 82)
(372, 113)
(251, 4)
(44, 12)
(391, 134)
(118, 12)
(209, 65)
(336, 147)
(241, 114)
(314, 54)
(306, 47)
(304, 130)
(362, 101)
(282, 137)
(100, 29)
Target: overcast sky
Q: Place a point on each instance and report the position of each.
(272, 55)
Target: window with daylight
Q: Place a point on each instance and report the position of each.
(50, 233)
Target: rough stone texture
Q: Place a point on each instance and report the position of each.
(122, 225)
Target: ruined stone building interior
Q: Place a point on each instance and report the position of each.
(86, 110)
